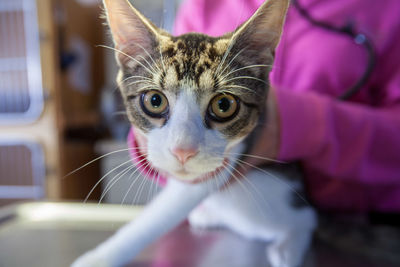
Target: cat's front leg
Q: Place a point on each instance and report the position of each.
(93, 258)
(164, 213)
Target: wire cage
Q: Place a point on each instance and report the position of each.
(22, 170)
(21, 92)
(22, 167)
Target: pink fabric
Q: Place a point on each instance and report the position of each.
(350, 151)
(141, 162)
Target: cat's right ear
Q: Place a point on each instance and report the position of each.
(133, 33)
(263, 30)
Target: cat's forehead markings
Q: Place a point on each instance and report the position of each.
(206, 79)
(191, 61)
(170, 79)
(221, 45)
(165, 43)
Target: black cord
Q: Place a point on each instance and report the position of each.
(358, 38)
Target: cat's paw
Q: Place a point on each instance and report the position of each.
(91, 259)
(278, 257)
(290, 251)
(201, 217)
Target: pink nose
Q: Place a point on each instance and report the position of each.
(184, 154)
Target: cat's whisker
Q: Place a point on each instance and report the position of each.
(128, 56)
(140, 178)
(245, 179)
(238, 86)
(244, 77)
(104, 176)
(140, 81)
(249, 193)
(155, 185)
(98, 158)
(243, 68)
(228, 188)
(237, 179)
(235, 86)
(252, 186)
(113, 181)
(150, 66)
(132, 184)
(142, 188)
(231, 61)
(218, 174)
(152, 183)
(227, 183)
(256, 157)
(152, 59)
(209, 183)
(144, 78)
(231, 91)
(118, 177)
(109, 172)
(155, 182)
(276, 179)
(141, 185)
(228, 50)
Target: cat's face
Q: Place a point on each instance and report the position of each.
(189, 101)
(193, 97)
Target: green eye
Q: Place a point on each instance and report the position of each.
(223, 107)
(154, 103)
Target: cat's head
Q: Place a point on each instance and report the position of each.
(192, 98)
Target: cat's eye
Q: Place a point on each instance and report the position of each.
(154, 103)
(223, 107)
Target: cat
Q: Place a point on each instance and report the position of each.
(196, 101)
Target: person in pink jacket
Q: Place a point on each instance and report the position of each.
(350, 150)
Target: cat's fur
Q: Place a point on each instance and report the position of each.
(190, 70)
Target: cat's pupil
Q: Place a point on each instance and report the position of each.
(224, 104)
(156, 100)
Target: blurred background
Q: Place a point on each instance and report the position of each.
(60, 109)
(59, 103)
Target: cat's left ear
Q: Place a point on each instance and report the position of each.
(263, 30)
(133, 33)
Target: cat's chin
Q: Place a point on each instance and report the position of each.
(188, 177)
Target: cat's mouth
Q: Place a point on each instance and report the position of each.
(203, 177)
